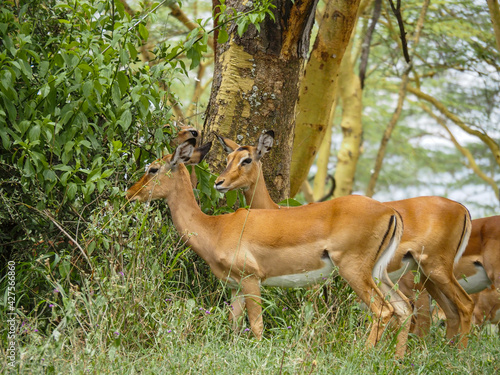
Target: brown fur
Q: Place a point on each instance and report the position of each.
(248, 247)
(435, 229)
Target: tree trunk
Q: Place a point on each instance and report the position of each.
(352, 127)
(319, 86)
(255, 86)
(322, 162)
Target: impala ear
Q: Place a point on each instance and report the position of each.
(183, 153)
(266, 141)
(227, 144)
(199, 153)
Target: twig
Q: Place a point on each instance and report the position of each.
(367, 41)
(397, 12)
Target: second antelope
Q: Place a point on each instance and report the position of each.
(285, 248)
(436, 231)
(479, 268)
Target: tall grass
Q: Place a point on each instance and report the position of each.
(144, 303)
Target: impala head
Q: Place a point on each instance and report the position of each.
(184, 132)
(156, 182)
(243, 162)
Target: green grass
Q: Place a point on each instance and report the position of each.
(148, 305)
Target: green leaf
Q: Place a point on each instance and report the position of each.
(72, 189)
(123, 82)
(28, 169)
(242, 26)
(87, 88)
(132, 50)
(49, 175)
(290, 203)
(223, 36)
(34, 133)
(143, 32)
(231, 197)
(6, 142)
(64, 268)
(107, 173)
(6, 78)
(115, 93)
(126, 119)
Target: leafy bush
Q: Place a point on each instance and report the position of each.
(80, 112)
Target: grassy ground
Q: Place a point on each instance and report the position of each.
(145, 304)
(184, 336)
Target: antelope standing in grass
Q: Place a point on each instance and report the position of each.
(436, 231)
(286, 248)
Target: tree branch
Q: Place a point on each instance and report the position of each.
(370, 190)
(397, 12)
(465, 152)
(367, 41)
(492, 145)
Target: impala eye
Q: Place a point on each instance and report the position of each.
(246, 161)
(153, 170)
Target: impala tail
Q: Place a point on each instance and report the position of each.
(388, 247)
(464, 240)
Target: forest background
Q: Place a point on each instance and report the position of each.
(86, 91)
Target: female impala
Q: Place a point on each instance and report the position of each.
(185, 132)
(435, 234)
(250, 248)
(479, 267)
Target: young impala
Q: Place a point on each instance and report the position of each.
(286, 248)
(436, 231)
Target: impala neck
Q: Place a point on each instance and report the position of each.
(257, 195)
(189, 220)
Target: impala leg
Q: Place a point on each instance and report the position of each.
(421, 321)
(370, 294)
(422, 307)
(456, 304)
(251, 291)
(402, 310)
(237, 308)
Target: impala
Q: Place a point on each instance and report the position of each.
(185, 132)
(182, 134)
(479, 267)
(436, 231)
(286, 248)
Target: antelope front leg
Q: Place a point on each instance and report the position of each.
(237, 308)
(251, 291)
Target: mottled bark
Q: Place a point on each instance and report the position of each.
(318, 88)
(352, 127)
(255, 86)
(324, 151)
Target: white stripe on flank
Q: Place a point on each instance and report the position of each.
(477, 282)
(299, 280)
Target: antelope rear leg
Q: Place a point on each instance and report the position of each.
(419, 299)
(237, 309)
(370, 294)
(402, 311)
(457, 306)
